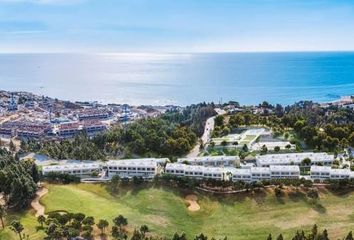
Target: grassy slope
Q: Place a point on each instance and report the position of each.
(239, 217)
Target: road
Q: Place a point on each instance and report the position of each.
(208, 129)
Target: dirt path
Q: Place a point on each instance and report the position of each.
(39, 208)
(192, 202)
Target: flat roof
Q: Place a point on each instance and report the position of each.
(208, 159)
(71, 166)
(136, 162)
(290, 168)
(293, 157)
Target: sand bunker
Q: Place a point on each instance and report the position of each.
(192, 203)
(35, 202)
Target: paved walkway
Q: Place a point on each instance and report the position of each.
(39, 208)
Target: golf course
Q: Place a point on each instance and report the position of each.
(165, 211)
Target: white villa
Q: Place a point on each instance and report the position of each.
(213, 161)
(144, 167)
(78, 169)
(294, 159)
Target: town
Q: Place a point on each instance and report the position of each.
(28, 116)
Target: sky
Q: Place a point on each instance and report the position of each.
(176, 25)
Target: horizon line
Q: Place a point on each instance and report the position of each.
(178, 52)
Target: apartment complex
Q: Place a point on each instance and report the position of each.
(294, 159)
(212, 161)
(80, 169)
(219, 168)
(196, 171)
(323, 172)
(145, 167)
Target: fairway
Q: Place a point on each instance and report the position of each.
(242, 217)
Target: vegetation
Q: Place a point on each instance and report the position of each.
(325, 129)
(193, 116)
(147, 137)
(250, 216)
(17, 180)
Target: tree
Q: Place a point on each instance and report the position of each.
(41, 219)
(176, 236)
(264, 149)
(102, 225)
(306, 162)
(276, 148)
(144, 229)
(219, 120)
(201, 237)
(269, 237)
(349, 236)
(120, 221)
(79, 217)
(245, 148)
(88, 221)
(280, 237)
(117, 233)
(3, 214)
(313, 195)
(12, 146)
(17, 227)
(224, 143)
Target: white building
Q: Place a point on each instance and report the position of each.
(271, 145)
(279, 172)
(241, 174)
(196, 171)
(176, 169)
(294, 159)
(321, 173)
(213, 161)
(73, 169)
(260, 173)
(144, 167)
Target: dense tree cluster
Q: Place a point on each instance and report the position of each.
(17, 180)
(193, 116)
(148, 136)
(314, 234)
(320, 128)
(60, 226)
(81, 148)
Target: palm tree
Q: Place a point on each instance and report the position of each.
(17, 227)
(41, 220)
(102, 224)
(2, 215)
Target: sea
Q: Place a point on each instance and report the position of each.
(182, 78)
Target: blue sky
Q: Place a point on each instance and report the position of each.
(175, 25)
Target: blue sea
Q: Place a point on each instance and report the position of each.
(182, 79)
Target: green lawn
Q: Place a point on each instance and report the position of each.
(249, 137)
(164, 211)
